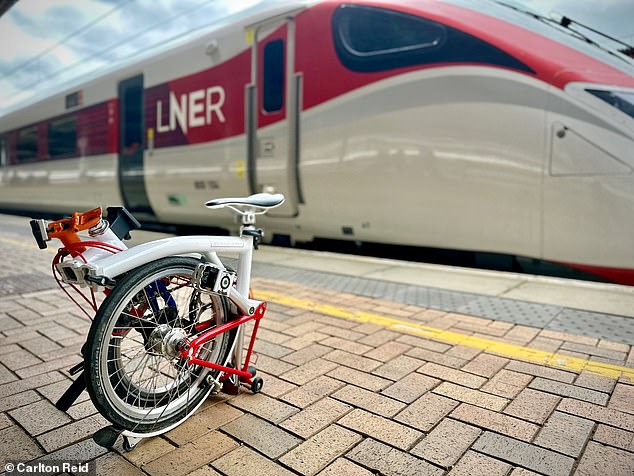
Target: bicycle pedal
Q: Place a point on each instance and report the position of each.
(106, 437)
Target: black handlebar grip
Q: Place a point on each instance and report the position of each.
(121, 222)
(37, 234)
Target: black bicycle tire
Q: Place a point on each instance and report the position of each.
(96, 340)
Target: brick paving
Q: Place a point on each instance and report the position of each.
(340, 398)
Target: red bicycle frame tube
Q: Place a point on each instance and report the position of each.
(194, 345)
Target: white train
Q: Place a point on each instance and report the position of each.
(417, 122)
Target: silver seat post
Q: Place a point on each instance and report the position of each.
(248, 219)
(244, 267)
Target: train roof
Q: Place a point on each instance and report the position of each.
(521, 15)
(266, 9)
(241, 19)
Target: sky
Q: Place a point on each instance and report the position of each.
(615, 17)
(53, 41)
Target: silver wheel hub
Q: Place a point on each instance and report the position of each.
(155, 341)
(171, 342)
(164, 340)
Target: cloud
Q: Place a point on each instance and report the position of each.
(64, 18)
(54, 22)
(62, 36)
(25, 22)
(27, 73)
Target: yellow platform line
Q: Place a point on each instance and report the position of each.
(29, 244)
(537, 356)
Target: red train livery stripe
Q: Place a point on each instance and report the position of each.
(96, 129)
(201, 107)
(615, 275)
(326, 78)
(547, 57)
(112, 108)
(320, 64)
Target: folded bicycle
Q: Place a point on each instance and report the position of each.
(169, 330)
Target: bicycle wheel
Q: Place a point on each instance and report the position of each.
(134, 375)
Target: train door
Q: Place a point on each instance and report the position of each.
(273, 112)
(131, 127)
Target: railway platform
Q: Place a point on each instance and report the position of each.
(371, 366)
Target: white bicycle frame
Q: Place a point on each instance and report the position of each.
(208, 248)
(101, 269)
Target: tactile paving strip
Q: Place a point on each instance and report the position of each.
(511, 310)
(608, 326)
(544, 316)
(615, 328)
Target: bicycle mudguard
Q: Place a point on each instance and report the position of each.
(119, 263)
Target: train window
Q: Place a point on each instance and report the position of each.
(273, 87)
(4, 158)
(370, 38)
(62, 138)
(131, 103)
(621, 100)
(26, 147)
(73, 99)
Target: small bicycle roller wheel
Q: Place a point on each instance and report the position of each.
(256, 384)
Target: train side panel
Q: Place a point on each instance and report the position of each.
(589, 183)
(449, 157)
(470, 138)
(58, 180)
